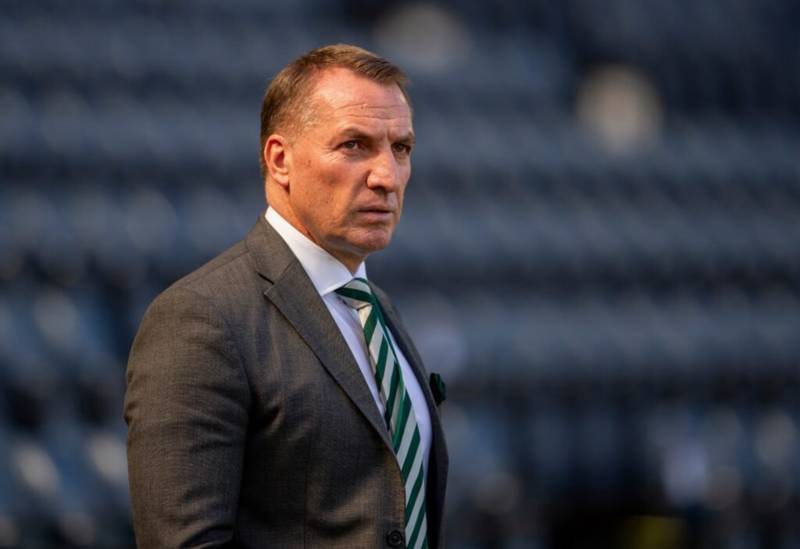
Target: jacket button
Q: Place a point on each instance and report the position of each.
(394, 538)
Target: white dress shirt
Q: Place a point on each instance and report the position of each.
(327, 274)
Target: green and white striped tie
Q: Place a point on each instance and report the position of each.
(399, 414)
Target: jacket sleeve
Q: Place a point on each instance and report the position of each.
(186, 408)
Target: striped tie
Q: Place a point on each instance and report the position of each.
(399, 415)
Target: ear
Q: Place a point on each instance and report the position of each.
(277, 156)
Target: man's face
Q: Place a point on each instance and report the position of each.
(349, 166)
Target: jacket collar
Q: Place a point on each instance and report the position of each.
(289, 288)
(325, 271)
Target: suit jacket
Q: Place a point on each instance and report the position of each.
(249, 421)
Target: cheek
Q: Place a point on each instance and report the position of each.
(335, 191)
(342, 184)
(401, 189)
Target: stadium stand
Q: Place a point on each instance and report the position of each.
(618, 318)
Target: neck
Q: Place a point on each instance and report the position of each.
(351, 262)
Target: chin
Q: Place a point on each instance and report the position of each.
(375, 241)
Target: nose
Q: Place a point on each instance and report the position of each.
(384, 172)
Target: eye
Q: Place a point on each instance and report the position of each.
(402, 148)
(350, 145)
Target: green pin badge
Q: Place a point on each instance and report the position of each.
(438, 388)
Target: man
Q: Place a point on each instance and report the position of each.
(274, 398)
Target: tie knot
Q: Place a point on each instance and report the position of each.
(356, 293)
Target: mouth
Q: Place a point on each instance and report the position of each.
(377, 213)
(377, 207)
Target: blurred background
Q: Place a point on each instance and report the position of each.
(599, 250)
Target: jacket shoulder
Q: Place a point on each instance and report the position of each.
(230, 276)
(234, 263)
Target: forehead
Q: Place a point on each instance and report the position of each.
(341, 96)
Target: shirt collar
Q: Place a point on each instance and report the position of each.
(325, 271)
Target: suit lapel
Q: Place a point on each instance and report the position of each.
(288, 287)
(293, 293)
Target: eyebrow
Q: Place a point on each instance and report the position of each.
(353, 131)
(408, 139)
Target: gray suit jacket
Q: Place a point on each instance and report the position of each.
(249, 422)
